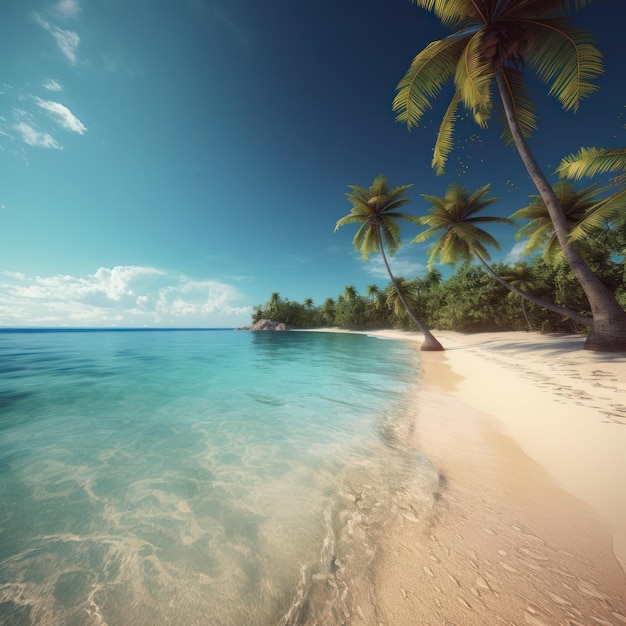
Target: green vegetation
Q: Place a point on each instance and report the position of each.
(469, 300)
(541, 294)
(576, 281)
(376, 211)
(493, 42)
(455, 219)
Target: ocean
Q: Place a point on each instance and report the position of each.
(200, 476)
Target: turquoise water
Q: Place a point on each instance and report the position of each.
(198, 477)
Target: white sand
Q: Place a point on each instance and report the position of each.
(564, 406)
(528, 432)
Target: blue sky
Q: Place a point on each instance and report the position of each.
(173, 163)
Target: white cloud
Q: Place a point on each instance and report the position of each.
(62, 115)
(516, 253)
(119, 296)
(67, 8)
(34, 138)
(52, 85)
(67, 40)
(400, 266)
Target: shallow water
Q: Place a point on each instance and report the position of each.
(199, 477)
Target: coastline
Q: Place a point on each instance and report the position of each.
(528, 433)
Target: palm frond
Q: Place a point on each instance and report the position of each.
(423, 236)
(379, 187)
(444, 143)
(473, 78)
(391, 225)
(451, 12)
(368, 242)
(359, 237)
(421, 84)
(397, 191)
(390, 236)
(590, 162)
(565, 58)
(347, 219)
(553, 249)
(611, 208)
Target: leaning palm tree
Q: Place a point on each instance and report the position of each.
(521, 276)
(375, 210)
(455, 219)
(493, 42)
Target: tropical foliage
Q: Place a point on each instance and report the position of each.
(492, 42)
(455, 221)
(468, 300)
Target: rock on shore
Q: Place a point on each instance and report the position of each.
(265, 325)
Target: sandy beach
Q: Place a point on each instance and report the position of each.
(528, 433)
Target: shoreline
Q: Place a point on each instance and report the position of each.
(528, 432)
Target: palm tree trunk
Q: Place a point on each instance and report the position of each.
(577, 317)
(608, 328)
(430, 344)
(530, 326)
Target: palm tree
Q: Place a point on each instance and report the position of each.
(350, 292)
(521, 277)
(455, 218)
(577, 205)
(375, 209)
(372, 291)
(274, 302)
(495, 40)
(409, 293)
(308, 303)
(328, 310)
(592, 222)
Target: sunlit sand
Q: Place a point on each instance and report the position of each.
(528, 432)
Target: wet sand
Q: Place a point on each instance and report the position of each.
(528, 433)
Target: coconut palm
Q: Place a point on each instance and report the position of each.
(372, 291)
(493, 42)
(308, 303)
(521, 276)
(350, 292)
(539, 230)
(274, 302)
(376, 211)
(328, 310)
(593, 224)
(454, 218)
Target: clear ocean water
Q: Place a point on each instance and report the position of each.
(199, 477)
